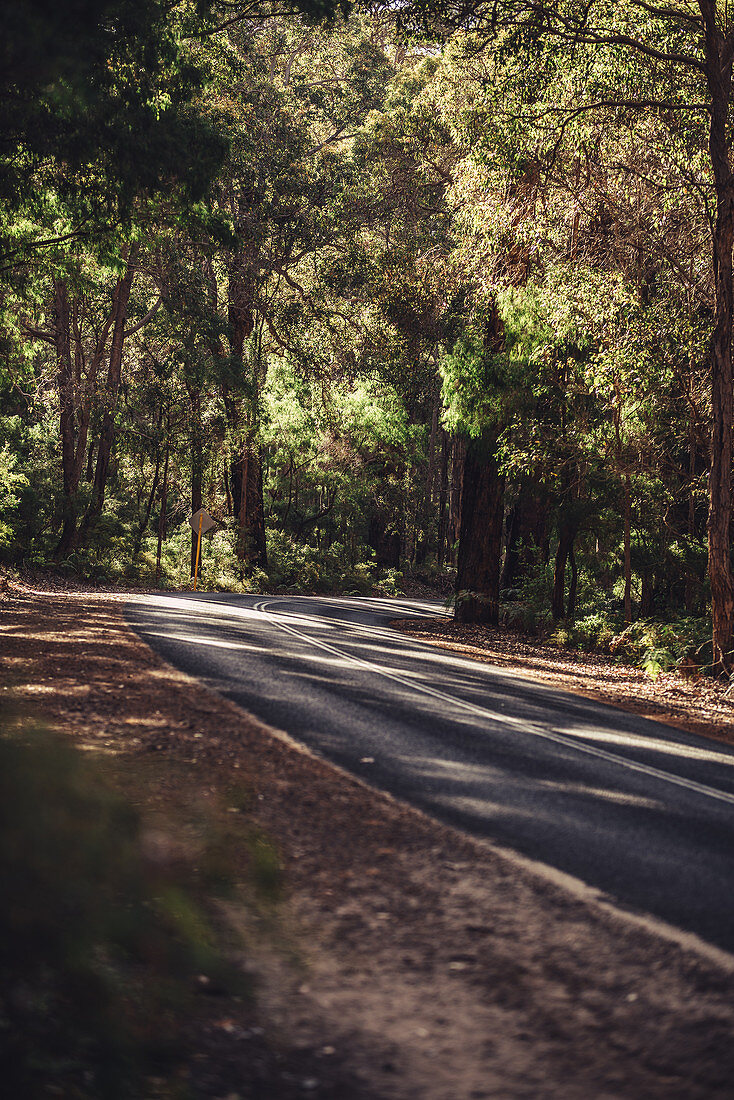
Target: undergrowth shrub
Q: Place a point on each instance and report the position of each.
(296, 565)
(592, 634)
(650, 644)
(528, 607)
(661, 646)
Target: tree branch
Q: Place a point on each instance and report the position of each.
(144, 320)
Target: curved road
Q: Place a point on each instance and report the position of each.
(629, 806)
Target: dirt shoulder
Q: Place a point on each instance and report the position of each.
(699, 705)
(407, 961)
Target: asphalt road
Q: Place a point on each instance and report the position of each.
(632, 807)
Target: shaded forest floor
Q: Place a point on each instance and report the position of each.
(701, 705)
(404, 960)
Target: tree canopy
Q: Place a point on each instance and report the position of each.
(411, 295)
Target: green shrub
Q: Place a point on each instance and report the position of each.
(661, 646)
(294, 564)
(526, 617)
(593, 634)
(390, 583)
(297, 565)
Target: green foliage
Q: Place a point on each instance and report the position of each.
(348, 252)
(11, 482)
(100, 938)
(300, 567)
(661, 646)
(593, 633)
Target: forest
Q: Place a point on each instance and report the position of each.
(410, 296)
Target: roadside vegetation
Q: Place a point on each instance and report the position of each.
(409, 300)
(123, 929)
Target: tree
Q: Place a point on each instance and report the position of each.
(658, 58)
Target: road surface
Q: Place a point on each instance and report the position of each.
(634, 808)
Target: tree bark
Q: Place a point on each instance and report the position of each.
(480, 537)
(719, 77)
(76, 397)
(647, 595)
(67, 406)
(443, 498)
(247, 494)
(458, 455)
(627, 548)
(164, 504)
(573, 585)
(246, 472)
(197, 468)
(120, 300)
(566, 538)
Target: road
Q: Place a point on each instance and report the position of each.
(631, 807)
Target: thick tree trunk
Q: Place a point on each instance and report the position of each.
(719, 521)
(246, 475)
(246, 471)
(458, 455)
(480, 538)
(719, 76)
(77, 382)
(647, 596)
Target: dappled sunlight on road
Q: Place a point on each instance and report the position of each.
(655, 744)
(431, 689)
(620, 797)
(196, 639)
(595, 791)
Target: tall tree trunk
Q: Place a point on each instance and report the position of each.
(164, 504)
(458, 455)
(243, 414)
(247, 495)
(197, 467)
(443, 498)
(647, 595)
(67, 404)
(76, 397)
(573, 585)
(693, 583)
(120, 300)
(627, 548)
(719, 77)
(480, 538)
(566, 538)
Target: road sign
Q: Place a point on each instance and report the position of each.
(207, 523)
